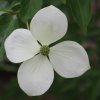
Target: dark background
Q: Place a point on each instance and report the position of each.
(84, 28)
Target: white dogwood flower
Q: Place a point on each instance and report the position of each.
(36, 74)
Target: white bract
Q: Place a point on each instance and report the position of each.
(36, 74)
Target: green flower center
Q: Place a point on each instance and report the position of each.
(44, 50)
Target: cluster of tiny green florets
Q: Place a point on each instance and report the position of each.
(44, 50)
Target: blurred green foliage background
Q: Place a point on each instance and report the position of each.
(84, 28)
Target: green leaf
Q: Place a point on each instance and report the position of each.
(14, 4)
(6, 8)
(95, 91)
(55, 2)
(6, 28)
(81, 12)
(2, 12)
(3, 4)
(63, 1)
(29, 8)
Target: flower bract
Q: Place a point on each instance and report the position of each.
(36, 74)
